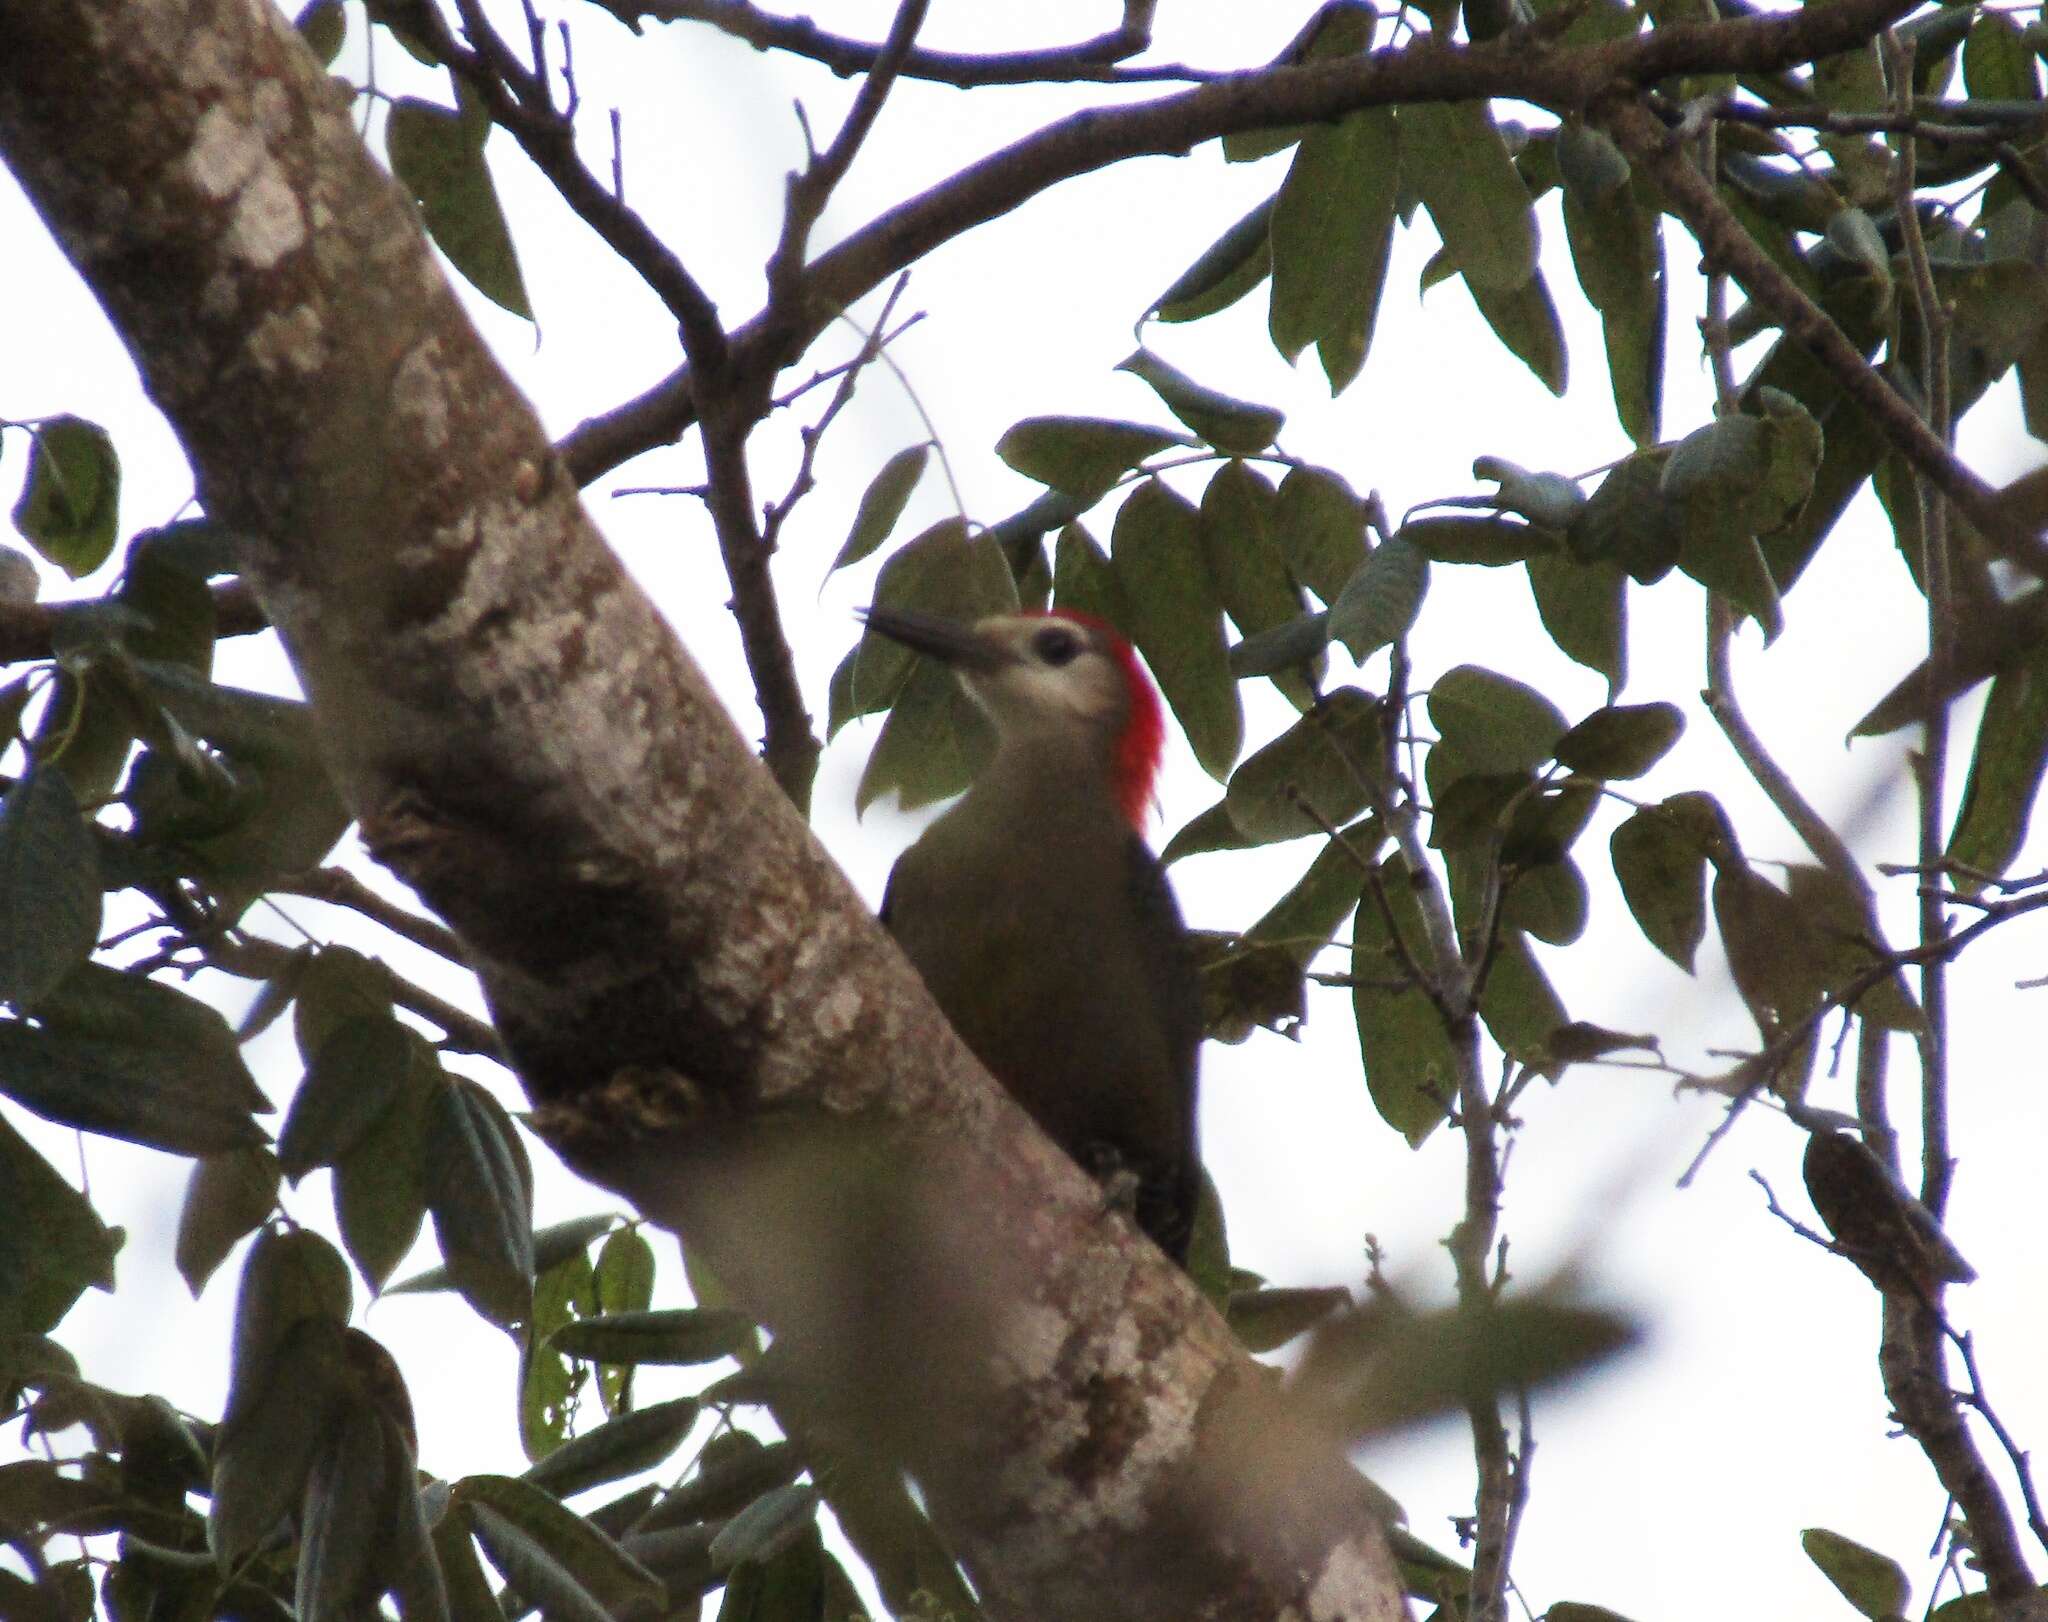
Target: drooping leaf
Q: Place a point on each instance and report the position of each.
(623, 1447)
(550, 1385)
(380, 1183)
(882, 503)
(70, 506)
(1236, 527)
(1321, 527)
(2006, 768)
(50, 874)
(1337, 29)
(355, 1076)
(1454, 156)
(438, 156)
(625, 1283)
(1329, 229)
(480, 1193)
(1410, 1063)
(53, 1247)
(1228, 268)
(1235, 427)
(1628, 521)
(324, 26)
(1660, 858)
(1524, 318)
(264, 1454)
(1617, 248)
(1176, 619)
(228, 1196)
(1518, 1005)
(1584, 607)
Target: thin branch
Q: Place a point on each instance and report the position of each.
(1558, 78)
(251, 957)
(1089, 60)
(810, 191)
(27, 629)
(340, 888)
(1643, 137)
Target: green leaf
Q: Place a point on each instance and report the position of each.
(940, 571)
(1998, 61)
(733, 1470)
(1228, 268)
(480, 1193)
(338, 986)
(1492, 723)
(1176, 619)
(53, 1246)
(2006, 768)
(1321, 527)
(550, 1384)
(438, 156)
(1083, 579)
(178, 1100)
(1235, 427)
(1617, 247)
(1660, 858)
(1236, 530)
(70, 507)
(1584, 607)
(1627, 520)
(1082, 456)
(1379, 602)
(176, 619)
(380, 1184)
(261, 1460)
(227, 1197)
(1207, 831)
(1622, 741)
(1320, 760)
(1459, 165)
(678, 1335)
(624, 1447)
(353, 1079)
(287, 1278)
(344, 1517)
(882, 503)
(1875, 1584)
(1295, 646)
(1518, 1005)
(766, 1526)
(931, 746)
(1410, 1064)
(1330, 224)
(324, 26)
(551, 1555)
(1338, 28)
(1487, 541)
(625, 1283)
(1524, 318)
(50, 874)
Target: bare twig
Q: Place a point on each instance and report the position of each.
(1089, 60)
(340, 888)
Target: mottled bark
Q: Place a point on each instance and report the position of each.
(706, 1017)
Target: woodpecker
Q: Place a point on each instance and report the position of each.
(1040, 920)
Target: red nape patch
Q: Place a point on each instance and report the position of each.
(1136, 767)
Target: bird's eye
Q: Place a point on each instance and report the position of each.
(1056, 645)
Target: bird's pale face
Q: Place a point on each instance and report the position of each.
(1046, 671)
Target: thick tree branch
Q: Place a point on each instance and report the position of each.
(1518, 66)
(707, 1018)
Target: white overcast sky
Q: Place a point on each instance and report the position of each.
(1672, 1488)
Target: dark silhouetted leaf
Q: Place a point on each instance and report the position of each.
(673, 1335)
(53, 1245)
(1329, 222)
(2006, 768)
(50, 875)
(1584, 607)
(354, 1078)
(1235, 427)
(1660, 857)
(227, 1197)
(1228, 268)
(1469, 538)
(554, 1557)
(1410, 1065)
(1622, 741)
(1459, 165)
(623, 1447)
(480, 1193)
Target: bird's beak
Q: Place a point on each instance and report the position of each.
(948, 641)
